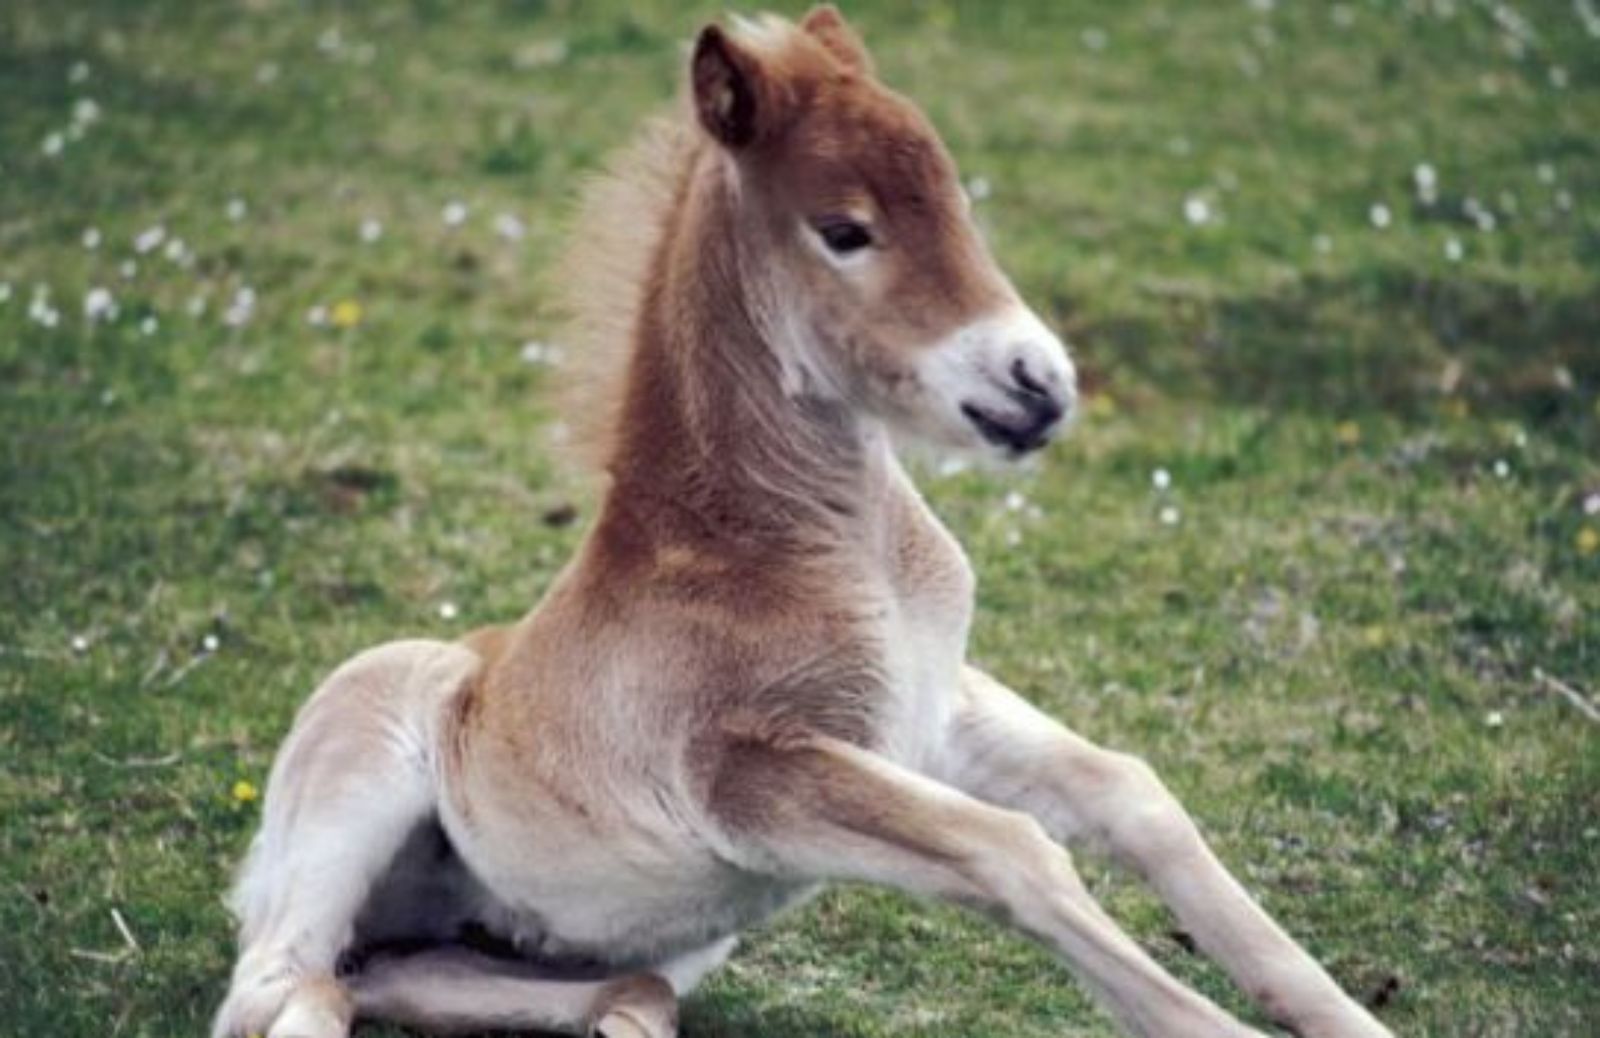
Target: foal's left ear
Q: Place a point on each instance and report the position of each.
(827, 24)
(735, 98)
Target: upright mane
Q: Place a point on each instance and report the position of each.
(603, 276)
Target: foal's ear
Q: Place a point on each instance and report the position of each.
(831, 30)
(733, 95)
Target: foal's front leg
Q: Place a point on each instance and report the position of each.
(816, 808)
(1004, 751)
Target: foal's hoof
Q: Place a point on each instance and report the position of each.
(623, 1024)
(318, 1009)
(637, 1007)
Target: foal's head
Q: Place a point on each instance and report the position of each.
(875, 284)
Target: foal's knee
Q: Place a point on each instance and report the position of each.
(1019, 870)
(1140, 820)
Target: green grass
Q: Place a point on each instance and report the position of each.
(1331, 655)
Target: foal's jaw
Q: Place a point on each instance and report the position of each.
(1003, 383)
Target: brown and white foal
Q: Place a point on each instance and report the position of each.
(750, 680)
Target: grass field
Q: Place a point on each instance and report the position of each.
(272, 340)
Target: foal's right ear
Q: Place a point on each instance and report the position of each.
(734, 97)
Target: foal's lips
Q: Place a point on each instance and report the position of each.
(1018, 434)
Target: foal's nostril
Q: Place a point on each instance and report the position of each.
(1044, 405)
(1025, 381)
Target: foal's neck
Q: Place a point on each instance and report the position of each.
(714, 447)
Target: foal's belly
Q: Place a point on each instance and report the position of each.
(627, 898)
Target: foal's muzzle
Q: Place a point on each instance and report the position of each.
(1038, 413)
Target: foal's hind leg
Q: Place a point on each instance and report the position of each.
(351, 783)
(453, 990)
(1004, 751)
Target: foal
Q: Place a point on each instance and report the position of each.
(750, 680)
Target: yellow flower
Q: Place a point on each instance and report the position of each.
(346, 313)
(1588, 541)
(1347, 433)
(1375, 636)
(244, 791)
(1455, 407)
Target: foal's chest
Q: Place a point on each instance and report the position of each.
(924, 633)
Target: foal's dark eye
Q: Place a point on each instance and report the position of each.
(844, 236)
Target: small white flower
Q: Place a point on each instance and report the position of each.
(1380, 216)
(1591, 504)
(1558, 77)
(177, 251)
(196, 306)
(241, 308)
(1196, 210)
(1564, 200)
(1161, 479)
(39, 309)
(1494, 719)
(1427, 181)
(85, 112)
(99, 305)
(267, 72)
(979, 188)
(1015, 502)
(954, 465)
(53, 143)
(507, 226)
(210, 643)
(1095, 39)
(128, 269)
(149, 326)
(330, 41)
(1486, 221)
(448, 611)
(1322, 243)
(454, 214)
(5, 291)
(80, 644)
(534, 352)
(149, 238)
(91, 238)
(1547, 173)
(1013, 538)
(1169, 515)
(1502, 468)
(317, 316)
(236, 209)
(78, 72)
(371, 230)
(1453, 250)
